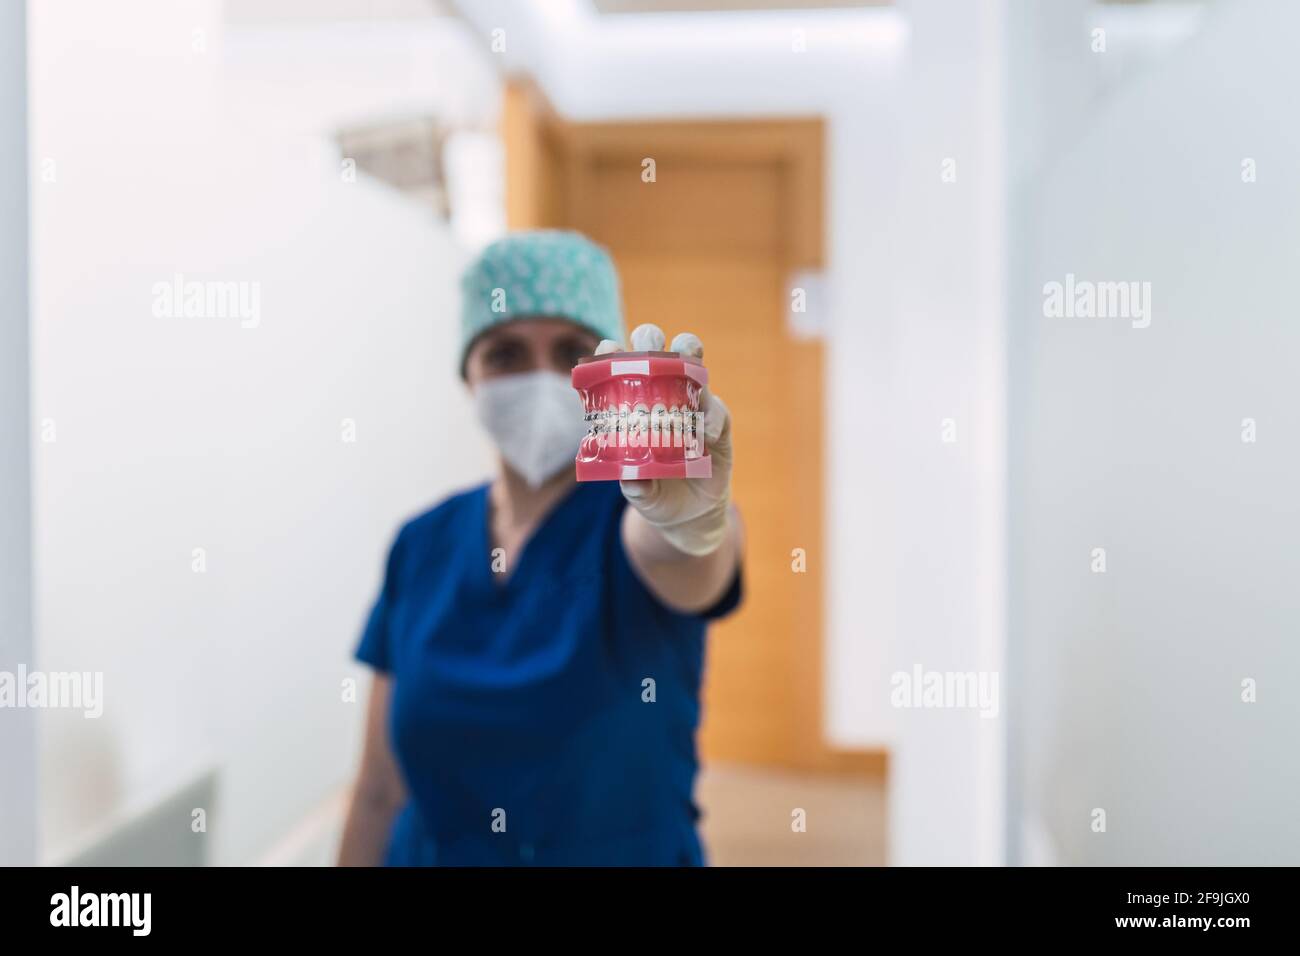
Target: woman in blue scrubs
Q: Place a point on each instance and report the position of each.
(538, 644)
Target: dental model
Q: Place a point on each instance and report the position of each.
(643, 416)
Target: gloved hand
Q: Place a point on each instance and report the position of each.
(691, 513)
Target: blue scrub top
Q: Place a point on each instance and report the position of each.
(523, 715)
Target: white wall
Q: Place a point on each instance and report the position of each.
(17, 727)
(206, 153)
(1129, 682)
(942, 425)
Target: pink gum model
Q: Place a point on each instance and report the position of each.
(643, 416)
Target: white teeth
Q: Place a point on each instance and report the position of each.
(638, 427)
(606, 346)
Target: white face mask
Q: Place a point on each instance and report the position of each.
(536, 420)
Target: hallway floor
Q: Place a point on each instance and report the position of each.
(748, 815)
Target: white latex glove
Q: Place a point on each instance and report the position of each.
(691, 513)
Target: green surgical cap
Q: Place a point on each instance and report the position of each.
(543, 274)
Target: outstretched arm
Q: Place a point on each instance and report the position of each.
(684, 536)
